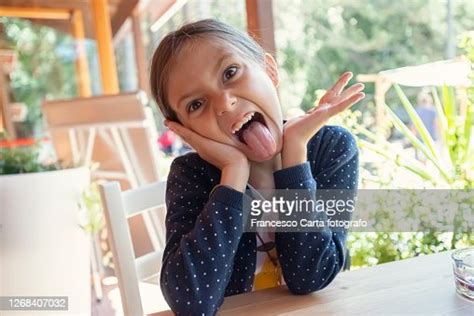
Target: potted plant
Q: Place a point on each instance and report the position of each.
(44, 251)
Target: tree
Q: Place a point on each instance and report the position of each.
(45, 68)
(319, 40)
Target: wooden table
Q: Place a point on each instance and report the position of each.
(422, 285)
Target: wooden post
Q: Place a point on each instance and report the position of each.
(2, 118)
(260, 23)
(140, 58)
(6, 64)
(82, 68)
(123, 11)
(382, 85)
(103, 33)
(381, 88)
(4, 105)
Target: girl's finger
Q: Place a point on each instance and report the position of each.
(346, 94)
(341, 83)
(316, 117)
(185, 133)
(195, 140)
(338, 108)
(331, 99)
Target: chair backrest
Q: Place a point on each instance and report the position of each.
(118, 132)
(118, 208)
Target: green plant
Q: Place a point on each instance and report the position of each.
(23, 160)
(91, 220)
(317, 41)
(390, 165)
(453, 166)
(45, 68)
(452, 170)
(449, 168)
(90, 210)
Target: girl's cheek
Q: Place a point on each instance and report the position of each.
(212, 133)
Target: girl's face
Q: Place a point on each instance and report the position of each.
(215, 90)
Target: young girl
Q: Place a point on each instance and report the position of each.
(216, 88)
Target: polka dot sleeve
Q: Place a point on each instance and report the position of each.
(202, 239)
(310, 261)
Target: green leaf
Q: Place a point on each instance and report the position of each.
(449, 106)
(417, 143)
(417, 122)
(449, 109)
(468, 129)
(441, 114)
(396, 159)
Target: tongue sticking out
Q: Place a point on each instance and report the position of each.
(259, 139)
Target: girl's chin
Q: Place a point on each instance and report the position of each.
(255, 158)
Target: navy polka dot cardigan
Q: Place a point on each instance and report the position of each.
(207, 255)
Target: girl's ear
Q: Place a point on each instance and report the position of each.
(271, 68)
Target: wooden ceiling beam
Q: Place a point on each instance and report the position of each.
(122, 12)
(36, 13)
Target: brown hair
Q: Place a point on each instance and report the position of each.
(174, 42)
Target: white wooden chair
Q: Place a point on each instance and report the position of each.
(118, 132)
(130, 271)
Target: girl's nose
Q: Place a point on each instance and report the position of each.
(225, 103)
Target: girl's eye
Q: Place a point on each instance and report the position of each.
(230, 72)
(195, 105)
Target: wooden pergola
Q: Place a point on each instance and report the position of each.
(102, 20)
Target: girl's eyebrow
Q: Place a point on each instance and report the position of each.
(219, 62)
(187, 95)
(216, 68)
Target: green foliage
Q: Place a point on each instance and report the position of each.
(14, 160)
(91, 214)
(453, 170)
(220, 10)
(387, 164)
(406, 172)
(451, 166)
(467, 44)
(45, 68)
(319, 40)
(374, 248)
(22, 160)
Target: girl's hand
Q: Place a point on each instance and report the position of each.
(232, 162)
(298, 131)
